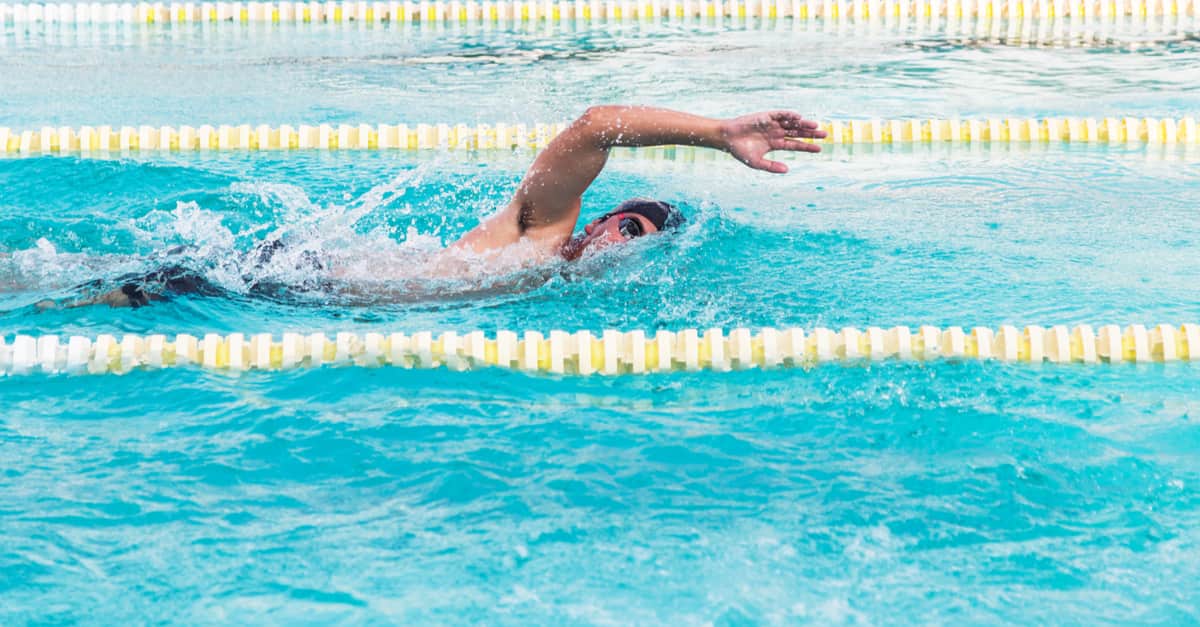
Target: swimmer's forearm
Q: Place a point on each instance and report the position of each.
(547, 203)
(611, 126)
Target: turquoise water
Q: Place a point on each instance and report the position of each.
(193, 75)
(952, 492)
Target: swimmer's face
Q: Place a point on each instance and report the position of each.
(619, 228)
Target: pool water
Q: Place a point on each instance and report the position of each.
(895, 492)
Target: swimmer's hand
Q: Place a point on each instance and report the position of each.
(750, 137)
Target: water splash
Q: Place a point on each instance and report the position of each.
(44, 267)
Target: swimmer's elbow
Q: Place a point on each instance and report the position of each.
(597, 121)
(596, 114)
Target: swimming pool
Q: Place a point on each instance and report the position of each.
(888, 492)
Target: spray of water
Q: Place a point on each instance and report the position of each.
(352, 251)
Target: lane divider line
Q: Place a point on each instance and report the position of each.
(482, 137)
(411, 12)
(1117, 34)
(610, 352)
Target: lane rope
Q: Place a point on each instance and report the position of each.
(611, 352)
(412, 12)
(482, 137)
(1067, 33)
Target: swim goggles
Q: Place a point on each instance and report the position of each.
(630, 227)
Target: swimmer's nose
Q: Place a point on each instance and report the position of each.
(603, 235)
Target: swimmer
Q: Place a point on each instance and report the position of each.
(538, 224)
(542, 215)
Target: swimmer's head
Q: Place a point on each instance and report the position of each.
(631, 219)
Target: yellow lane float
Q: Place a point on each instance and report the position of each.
(610, 352)
(88, 140)
(440, 12)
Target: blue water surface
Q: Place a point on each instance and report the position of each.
(888, 493)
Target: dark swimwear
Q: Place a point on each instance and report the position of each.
(173, 279)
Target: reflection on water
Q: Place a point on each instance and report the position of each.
(977, 491)
(989, 236)
(946, 492)
(319, 75)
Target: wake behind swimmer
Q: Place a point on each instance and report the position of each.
(535, 231)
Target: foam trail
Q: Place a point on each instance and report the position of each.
(44, 267)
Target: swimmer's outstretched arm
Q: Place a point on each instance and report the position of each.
(546, 205)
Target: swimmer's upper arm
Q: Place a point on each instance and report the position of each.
(548, 199)
(549, 196)
(546, 204)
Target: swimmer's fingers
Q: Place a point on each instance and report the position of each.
(795, 145)
(794, 122)
(787, 119)
(760, 162)
(809, 133)
(767, 165)
(809, 129)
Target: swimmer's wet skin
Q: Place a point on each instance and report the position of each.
(538, 224)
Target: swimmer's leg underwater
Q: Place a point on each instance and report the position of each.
(173, 279)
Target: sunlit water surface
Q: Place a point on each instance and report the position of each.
(949, 492)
